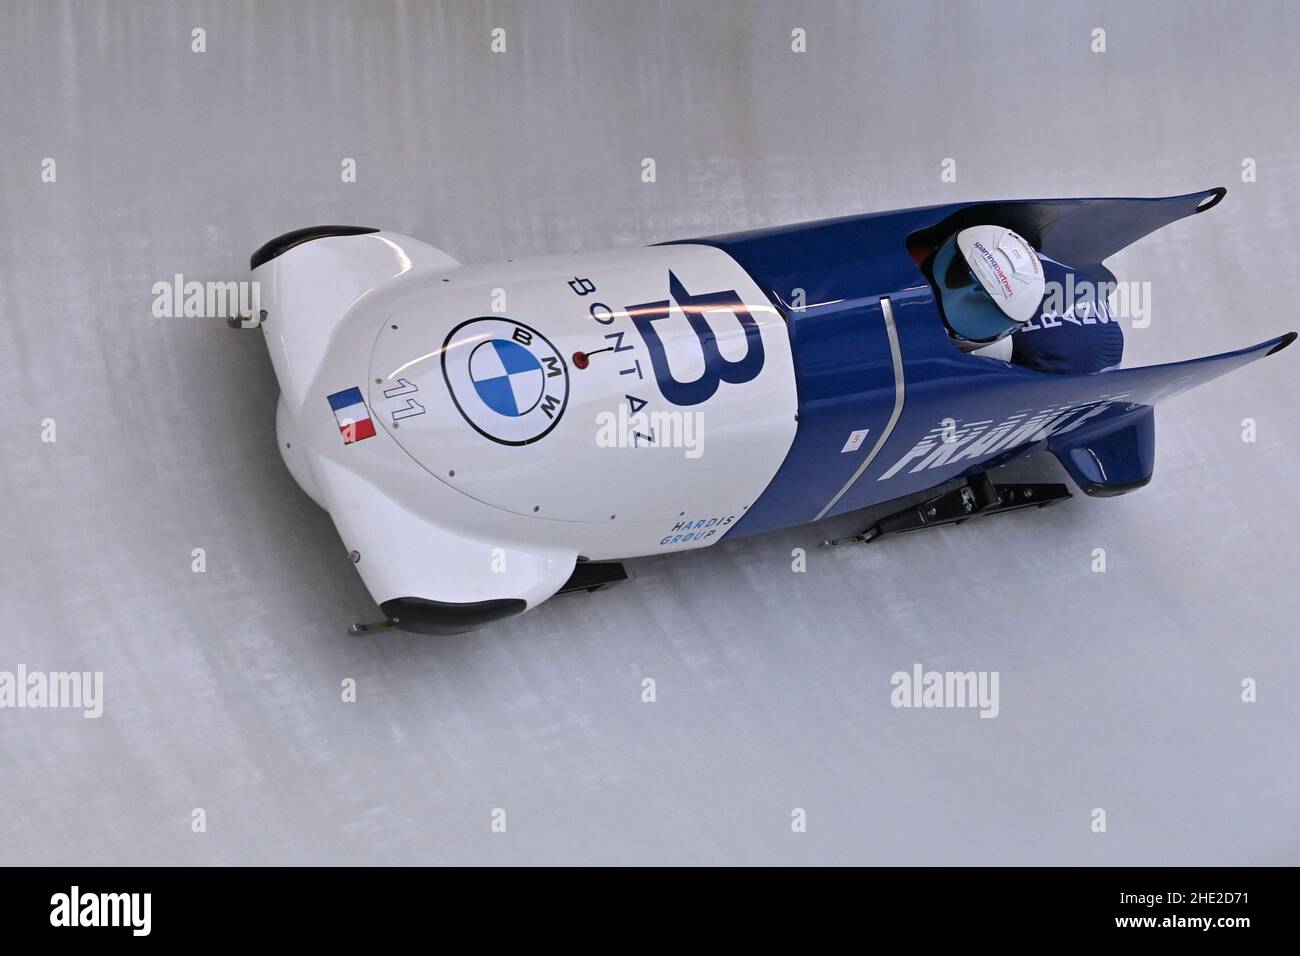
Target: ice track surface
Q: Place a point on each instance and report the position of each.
(222, 690)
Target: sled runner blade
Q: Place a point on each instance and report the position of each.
(359, 630)
(978, 496)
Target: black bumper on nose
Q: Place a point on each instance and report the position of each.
(439, 617)
(282, 244)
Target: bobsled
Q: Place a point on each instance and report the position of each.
(487, 436)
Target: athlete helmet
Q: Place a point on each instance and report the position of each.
(990, 282)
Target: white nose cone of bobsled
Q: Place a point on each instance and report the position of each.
(1006, 266)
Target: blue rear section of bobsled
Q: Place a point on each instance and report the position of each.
(871, 353)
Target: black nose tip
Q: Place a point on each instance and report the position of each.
(282, 244)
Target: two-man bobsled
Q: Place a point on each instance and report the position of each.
(486, 436)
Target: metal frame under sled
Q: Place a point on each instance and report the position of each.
(977, 496)
(592, 576)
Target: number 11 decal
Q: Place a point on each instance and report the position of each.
(412, 407)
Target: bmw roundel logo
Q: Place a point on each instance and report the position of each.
(506, 379)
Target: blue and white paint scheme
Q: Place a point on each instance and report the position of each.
(536, 415)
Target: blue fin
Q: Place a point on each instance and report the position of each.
(1115, 462)
(1114, 453)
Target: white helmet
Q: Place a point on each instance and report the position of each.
(1006, 266)
(1007, 271)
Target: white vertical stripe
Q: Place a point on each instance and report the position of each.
(892, 332)
(352, 413)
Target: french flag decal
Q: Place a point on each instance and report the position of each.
(350, 412)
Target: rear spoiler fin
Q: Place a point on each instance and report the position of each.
(1113, 453)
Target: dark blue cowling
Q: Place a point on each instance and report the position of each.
(828, 278)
